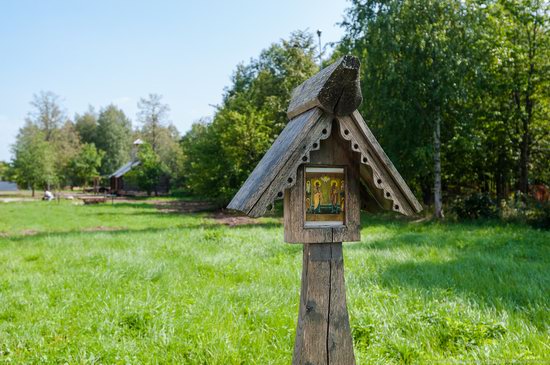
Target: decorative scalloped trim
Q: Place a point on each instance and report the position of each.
(365, 159)
(291, 180)
(378, 181)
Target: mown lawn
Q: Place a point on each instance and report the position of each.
(126, 284)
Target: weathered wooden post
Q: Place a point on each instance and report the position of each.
(327, 165)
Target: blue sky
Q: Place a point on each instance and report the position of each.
(101, 52)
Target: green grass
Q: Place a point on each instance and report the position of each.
(169, 288)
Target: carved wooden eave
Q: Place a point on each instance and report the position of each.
(378, 174)
(276, 171)
(332, 94)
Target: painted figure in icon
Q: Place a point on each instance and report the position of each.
(334, 197)
(308, 195)
(342, 195)
(317, 197)
(324, 194)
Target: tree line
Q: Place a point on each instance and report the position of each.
(457, 92)
(52, 150)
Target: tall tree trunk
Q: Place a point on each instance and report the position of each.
(524, 164)
(438, 213)
(501, 175)
(525, 144)
(527, 118)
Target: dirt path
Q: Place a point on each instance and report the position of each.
(182, 206)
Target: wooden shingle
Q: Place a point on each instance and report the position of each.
(330, 96)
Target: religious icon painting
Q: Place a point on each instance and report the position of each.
(325, 196)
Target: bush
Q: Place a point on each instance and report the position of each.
(526, 210)
(540, 216)
(478, 205)
(520, 208)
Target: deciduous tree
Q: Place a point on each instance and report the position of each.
(161, 134)
(86, 125)
(415, 61)
(153, 114)
(84, 166)
(114, 137)
(34, 159)
(221, 154)
(47, 113)
(150, 170)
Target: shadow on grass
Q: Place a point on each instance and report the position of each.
(108, 204)
(491, 284)
(495, 265)
(170, 208)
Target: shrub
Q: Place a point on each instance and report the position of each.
(526, 210)
(477, 205)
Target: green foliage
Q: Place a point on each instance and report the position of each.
(66, 145)
(482, 68)
(523, 209)
(204, 164)
(73, 148)
(161, 135)
(221, 154)
(86, 126)
(179, 288)
(58, 133)
(114, 136)
(512, 123)
(153, 114)
(47, 113)
(85, 165)
(4, 173)
(414, 56)
(150, 169)
(519, 209)
(475, 206)
(540, 216)
(34, 159)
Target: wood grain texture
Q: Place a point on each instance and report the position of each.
(335, 89)
(377, 171)
(294, 216)
(356, 116)
(286, 175)
(271, 163)
(332, 151)
(323, 334)
(343, 156)
(340, 343)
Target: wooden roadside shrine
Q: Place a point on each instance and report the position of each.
(327, 166)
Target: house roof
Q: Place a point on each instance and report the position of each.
(335, 89)
(125, 168)
(277, 169)
(333, 93)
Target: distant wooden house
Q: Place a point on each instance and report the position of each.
(118, 183)
(123, 183)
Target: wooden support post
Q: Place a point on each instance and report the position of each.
(323, 335)
(325, 163)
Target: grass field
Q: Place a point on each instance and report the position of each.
(126, 284)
